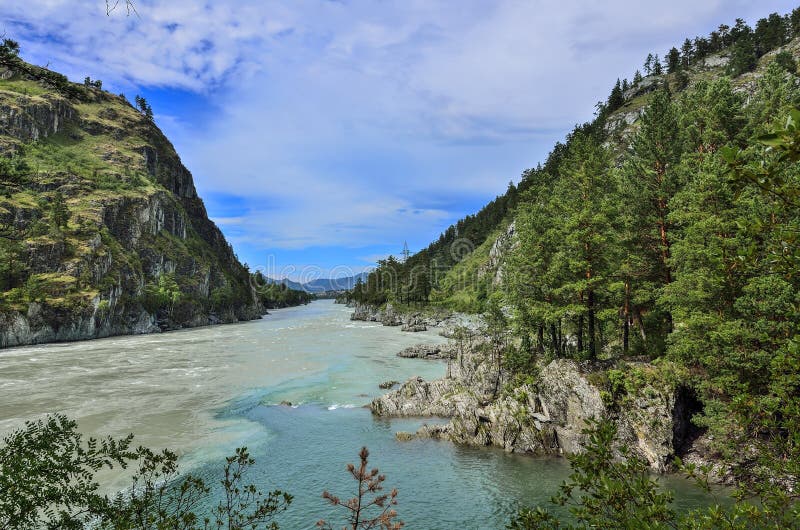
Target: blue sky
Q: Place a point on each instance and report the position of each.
(322, 134)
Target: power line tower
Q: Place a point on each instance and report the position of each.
(406, 252)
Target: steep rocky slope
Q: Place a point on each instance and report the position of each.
(101, 229)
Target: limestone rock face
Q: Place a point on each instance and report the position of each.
(30, 119)
(500, 248)
(417, 397)
(414, 325)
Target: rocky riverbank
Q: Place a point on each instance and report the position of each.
(544, 415)
(412, 321)
(428, 351)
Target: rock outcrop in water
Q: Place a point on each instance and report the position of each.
(101, 229)
(428, 351)
(541, 417)
(445, 321)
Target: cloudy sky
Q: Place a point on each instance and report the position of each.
(322, 134)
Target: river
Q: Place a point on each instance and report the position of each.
(203, 392)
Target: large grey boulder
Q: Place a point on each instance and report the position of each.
(568, 401)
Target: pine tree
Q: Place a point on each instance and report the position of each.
(532, 281)
(657, 69)
(586, 257)
(770, 33)
(673, 60)
(648, 64)
(686, 53)
(743, 56)
(59, 210)
(616, 99)
(650, 182)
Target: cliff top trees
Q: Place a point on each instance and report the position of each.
(673, 60)
(144, 107)
(649, 181)
(586, 195)
(616, 98)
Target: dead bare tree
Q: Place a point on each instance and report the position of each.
(112, 5)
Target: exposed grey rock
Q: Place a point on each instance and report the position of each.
(546, 418)
(417, 397)
(568, 401)
(414, 325)
(646, 85)
(388, 384)
(428, 351)
(494, 266)
(30, 119)
(717, 60)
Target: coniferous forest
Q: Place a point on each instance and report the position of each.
(657, 244)
(666, 229)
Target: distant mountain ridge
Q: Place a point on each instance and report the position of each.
(321, 285)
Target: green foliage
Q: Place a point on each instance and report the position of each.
(606, 492)
(275, 295)
(743, 56)
(13, 170)
(425, 276)
(59, 212)
(162, 294)
(616, 98)
(144, 107)
(786, 60)
(49, 479)
(88, 83)
(9, 57)
(47, 474)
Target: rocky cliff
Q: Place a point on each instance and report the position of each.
(546, 415)
(101, 229)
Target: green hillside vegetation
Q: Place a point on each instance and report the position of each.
(667, 229)
(99, 220)
(276, 295)
(467, 285)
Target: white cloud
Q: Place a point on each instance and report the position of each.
(355, 123)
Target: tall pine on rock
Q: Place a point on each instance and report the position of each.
(649, 181)
(586, 255)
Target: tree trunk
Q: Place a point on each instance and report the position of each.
(560, 339)
(591, 325)
(626, 325)
(580, 333)
(540, 339)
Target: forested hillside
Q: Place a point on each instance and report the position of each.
(666, 229)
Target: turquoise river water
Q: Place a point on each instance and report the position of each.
(204, 392)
